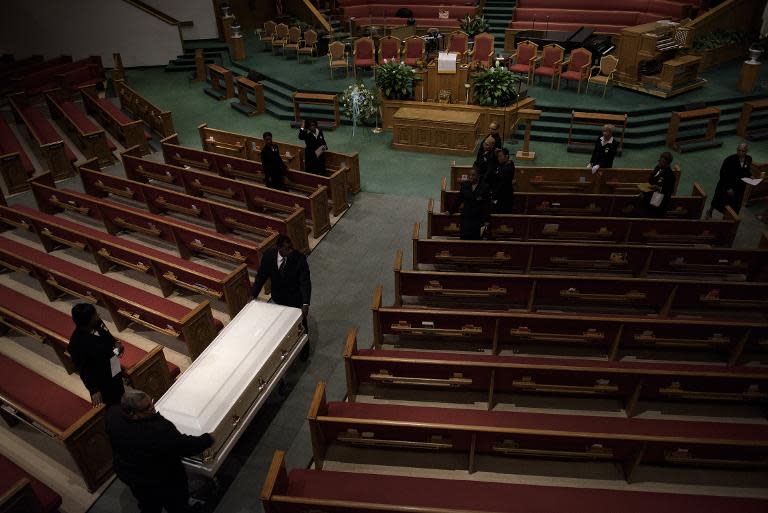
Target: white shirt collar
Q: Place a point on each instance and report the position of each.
(280, 259)
(603, 141)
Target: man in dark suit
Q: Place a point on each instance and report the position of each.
(662, 182)
(474, 201)
(95, 354)
(485, 162)
(502, 184)
(730, 189)
(272, 163)
(147, 450)
(289, 273)
(315, 147)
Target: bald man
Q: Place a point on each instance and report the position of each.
(730, 188)
(486, 163)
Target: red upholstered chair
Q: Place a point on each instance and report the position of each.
(389, 49)
(550, 63)
(484, 50)
(577, 67)
(414, 50)
(458, 42)
(522, 60)
(363, 54)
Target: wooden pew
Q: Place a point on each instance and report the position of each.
(605, 205)
(225, 218)
(20, 492)
(304, 490)
(630, 442)
(577, 293)
(711, 115)
(144, 370)
(222, 86)
(249, 147)
(378, 370)
(526, 227)
(759, 192)
(91, 139)
(15, 166)
(127, 131)
(63, 416)
(189, 239)
(250, 96)
(595, 258)
(254, 196)
(171, 272)
(54, 153)
(63, 74)
(126, 304)
(600, 333)
(309, 98)
(234, 167)
(157, 119)
(595, 119)
(747, 111)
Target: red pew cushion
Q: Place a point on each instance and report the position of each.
(9, 144)
(10, 473)
(119, 115)
(82, 121)
(44, 131)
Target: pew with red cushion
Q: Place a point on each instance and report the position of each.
(127, 304)
(595, 258)
(171, 272)
(128, 131)
(628, 381)
(254, 196)
(158, 120)
(525, 227)
(304, 490)
(577, 293)
(56, 155)
(596, 334)
(89, 75)
(144, 370)
(234, 167)
(58, 413)
(53, 76)
(21, 492)
(188, 238)
(15, 165)
(225, 218)
(89, 137)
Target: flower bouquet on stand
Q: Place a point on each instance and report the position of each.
(359, 103)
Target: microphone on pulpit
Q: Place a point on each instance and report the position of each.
(546, 28)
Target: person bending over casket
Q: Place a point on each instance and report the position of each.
(289, 273)
(474, 201)
(662, 182)
(147, 450)
(604, 151)
(315, 147)
(730, 188)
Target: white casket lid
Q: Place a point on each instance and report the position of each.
(200, 398)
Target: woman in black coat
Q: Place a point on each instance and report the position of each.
(315, 147)
(605, 150)
(730, 188)
(662, 181)
(474, 200)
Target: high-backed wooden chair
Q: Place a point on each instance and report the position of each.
(577, 68)
(484, 50)
(363, 54)
(294, 41)
(414, 50)
(605, 72)
(523, 59)
(308, 44)
(337, 57)
(549, 63)
(389, 49)
(281, 37)
(458, 42)
(268, 34)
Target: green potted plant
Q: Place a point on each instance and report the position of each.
(474, 24)
(395, 80)
(495, 87)
(719, 46)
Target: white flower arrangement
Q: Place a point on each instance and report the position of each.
(359, 103)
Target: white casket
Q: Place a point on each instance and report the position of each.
(225, 386)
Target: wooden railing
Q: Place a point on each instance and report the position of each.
(305, 11)
(154, 12)
(741, 15)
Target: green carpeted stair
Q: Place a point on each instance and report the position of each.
(498, 13)
(214, 50)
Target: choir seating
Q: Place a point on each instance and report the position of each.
(21, 492)
(587, 204)
(577, 68)
(55, 154)
(414, 50)
(628, 441)
(144, 370)
(549, 64)
(606, 335)
(90, 138)
(380, 370)
(224, 217)
(127, 304)
(254, 196)
(389, 49)
(127, 131)
(159, 120)
(522, 61)
(483, 50)
(15, 166)
(249, 147)
(363, 54)
(352, 492)
(109, 251)
(595, 258)
(385, 13)
(636, 230)
(458, 42)
(189, 239)
(28, 397)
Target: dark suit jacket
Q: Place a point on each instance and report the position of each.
(292, 287)
(603, 154)
(91, 353)
(731, 173)
(503, 189)
(475, 209)
(665, 179)
(313, 163)
(273, 165)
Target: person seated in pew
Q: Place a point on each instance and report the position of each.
(272, 163)
(730, 188)
(315, 147)
(474, 200)
(147, 451)
(605, 150)
(662, 182)
(96, 355)
(502, 184)
(485, 163)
